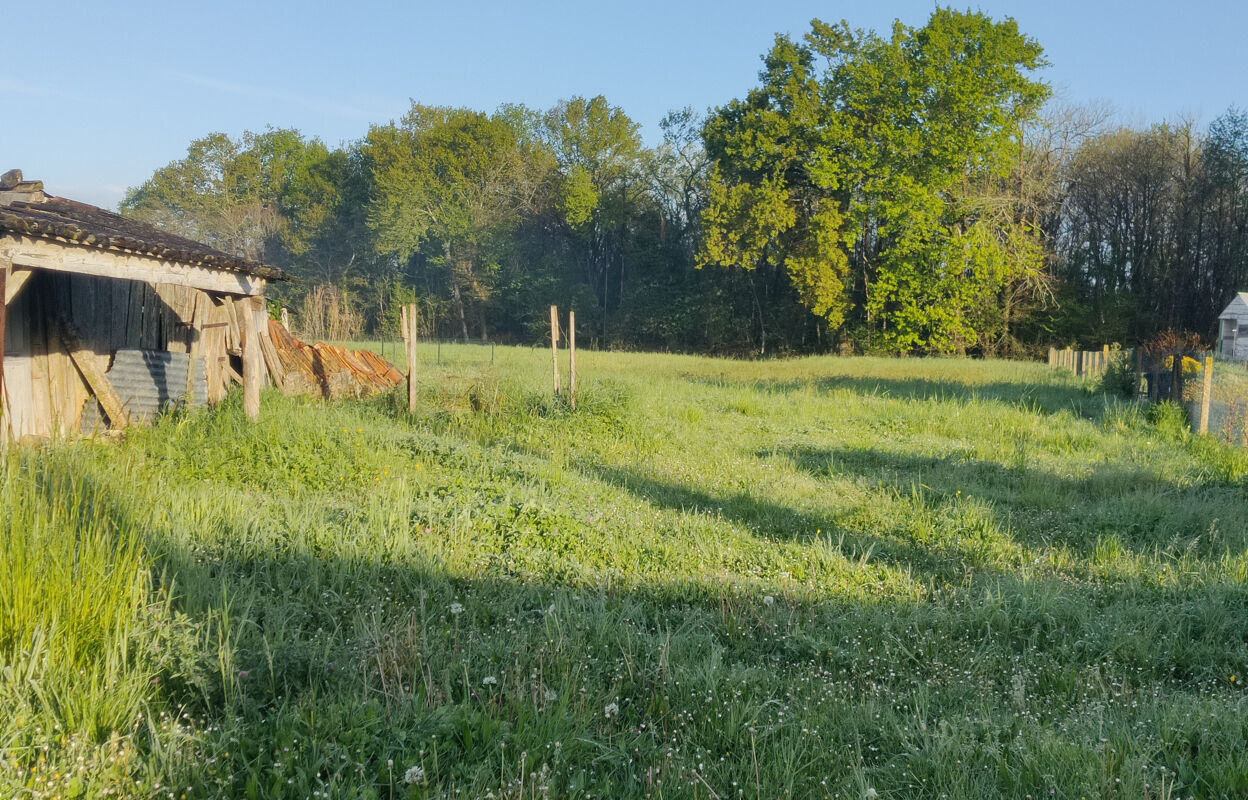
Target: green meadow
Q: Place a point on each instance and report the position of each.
(810, 578)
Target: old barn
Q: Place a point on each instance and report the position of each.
(1233, 329)
(107, 320)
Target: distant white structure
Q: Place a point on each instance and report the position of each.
(1233, 329)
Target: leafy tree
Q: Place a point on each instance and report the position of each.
(455, 178)
(599, 152)
(862, 166)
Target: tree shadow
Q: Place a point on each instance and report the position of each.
(898, 548)
(1037, 398)
(336, 672)
(1140, 511)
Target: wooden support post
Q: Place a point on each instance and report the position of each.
(1138, 355)
(572, 359)
(103, 390)
(1052, 352)
(253, 360)
(408, 328)
(5, 265)
(1079, 364)
(199, 311)
(16, 279)
(1105, 359)
(554, 344)
(1206, 395)
(1176, 378)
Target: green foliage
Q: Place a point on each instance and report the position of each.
(1170, 419)
(1120, 377)
(890, 157)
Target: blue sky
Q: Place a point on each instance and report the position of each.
(98, 95)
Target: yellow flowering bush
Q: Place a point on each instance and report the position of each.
(1190, 365)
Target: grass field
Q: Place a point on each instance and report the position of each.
(823, 577)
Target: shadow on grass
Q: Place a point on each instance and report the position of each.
(1040, 398)
(315, 672)
(1145, 514)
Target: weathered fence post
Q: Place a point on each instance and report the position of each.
(1138, 355)
(408, 327)
(554, 344)
(1079, 364)
(572, 359)
(1176, 378)
(1052, 355)
(1104, 359)
(1206, 395)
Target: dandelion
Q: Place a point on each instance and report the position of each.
(870, 793)
(1233, 679)
(489, 680)
(457, 608)
(768, 600)
(612, 710)
(551, 696)
(414, 775)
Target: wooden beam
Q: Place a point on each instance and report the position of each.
(84, 360)
(253, 361)
(14, 283)
(26, 251)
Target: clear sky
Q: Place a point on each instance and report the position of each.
(98, 95)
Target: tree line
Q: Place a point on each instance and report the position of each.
(916, 192)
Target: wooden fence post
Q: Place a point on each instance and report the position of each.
(408, 328)
(1105, 358)
(1079, 364)
(554, 344)
(1138, 355)
(1176, 378)
(1206, 395)
(572, 359)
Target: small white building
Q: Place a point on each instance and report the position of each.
(1233, 329)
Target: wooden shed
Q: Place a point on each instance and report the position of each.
(106, 320)
(1233, 329)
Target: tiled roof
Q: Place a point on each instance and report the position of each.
(67, 220)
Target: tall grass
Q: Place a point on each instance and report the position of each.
(809, 578)
(76, 609)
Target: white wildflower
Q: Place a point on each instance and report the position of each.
(551, 696)
(612, 710)
(768, 600)
(457, 608)
(489, 680)
(414, 775)
(870, 793)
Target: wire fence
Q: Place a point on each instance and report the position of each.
(430, 351)
(1213, 389)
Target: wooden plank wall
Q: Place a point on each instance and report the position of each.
(47, 394)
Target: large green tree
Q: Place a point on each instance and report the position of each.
(871, 171)
(449, 183)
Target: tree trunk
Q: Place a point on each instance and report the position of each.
(458, 295)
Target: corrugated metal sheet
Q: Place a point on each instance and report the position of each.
(149, 382)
